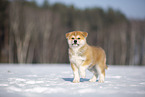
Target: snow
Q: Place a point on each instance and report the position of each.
(56, 80)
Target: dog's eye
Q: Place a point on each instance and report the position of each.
(72, 38)
(78, 38)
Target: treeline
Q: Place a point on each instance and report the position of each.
(36, 34)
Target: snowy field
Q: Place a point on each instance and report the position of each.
(56, 81)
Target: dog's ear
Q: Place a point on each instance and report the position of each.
(67, 35)
(85, 34)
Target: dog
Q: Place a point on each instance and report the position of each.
(83, 56)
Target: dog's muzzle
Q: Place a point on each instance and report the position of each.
(75, 41)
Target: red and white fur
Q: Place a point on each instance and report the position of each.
(83, 56)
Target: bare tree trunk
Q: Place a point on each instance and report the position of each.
(123, 41)
(143, 44)
(46, 22)
(11, 47)
(14, 25)
(21, 37)
(132, 44)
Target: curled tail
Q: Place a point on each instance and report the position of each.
(106, 66)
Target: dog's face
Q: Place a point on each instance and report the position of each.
(76, 38)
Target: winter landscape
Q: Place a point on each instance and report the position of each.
(33, 32)
(55, 80)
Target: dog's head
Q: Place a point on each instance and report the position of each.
(76, 38)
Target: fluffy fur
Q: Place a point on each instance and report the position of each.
(83, 56)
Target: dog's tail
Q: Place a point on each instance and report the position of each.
(106, 66)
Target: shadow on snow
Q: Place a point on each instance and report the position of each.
(71, 79)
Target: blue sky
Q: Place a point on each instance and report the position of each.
(131, 8)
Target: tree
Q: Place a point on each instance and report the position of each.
(4, 30)
(45, 4)
(22, 29)
(37, 34)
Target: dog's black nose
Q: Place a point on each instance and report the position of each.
(75, 41)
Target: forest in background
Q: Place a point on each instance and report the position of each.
(36, 34)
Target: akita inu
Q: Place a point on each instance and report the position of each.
(83, 56)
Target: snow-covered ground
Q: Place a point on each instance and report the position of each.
(56, 81)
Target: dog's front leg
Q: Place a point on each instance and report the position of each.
(83, 68)
(76, 74)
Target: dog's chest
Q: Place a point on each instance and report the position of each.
(76, 57)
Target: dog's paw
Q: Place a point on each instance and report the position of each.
(92, 80)
(76, 80)
(101, 80)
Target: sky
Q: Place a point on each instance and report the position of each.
(131, 8)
